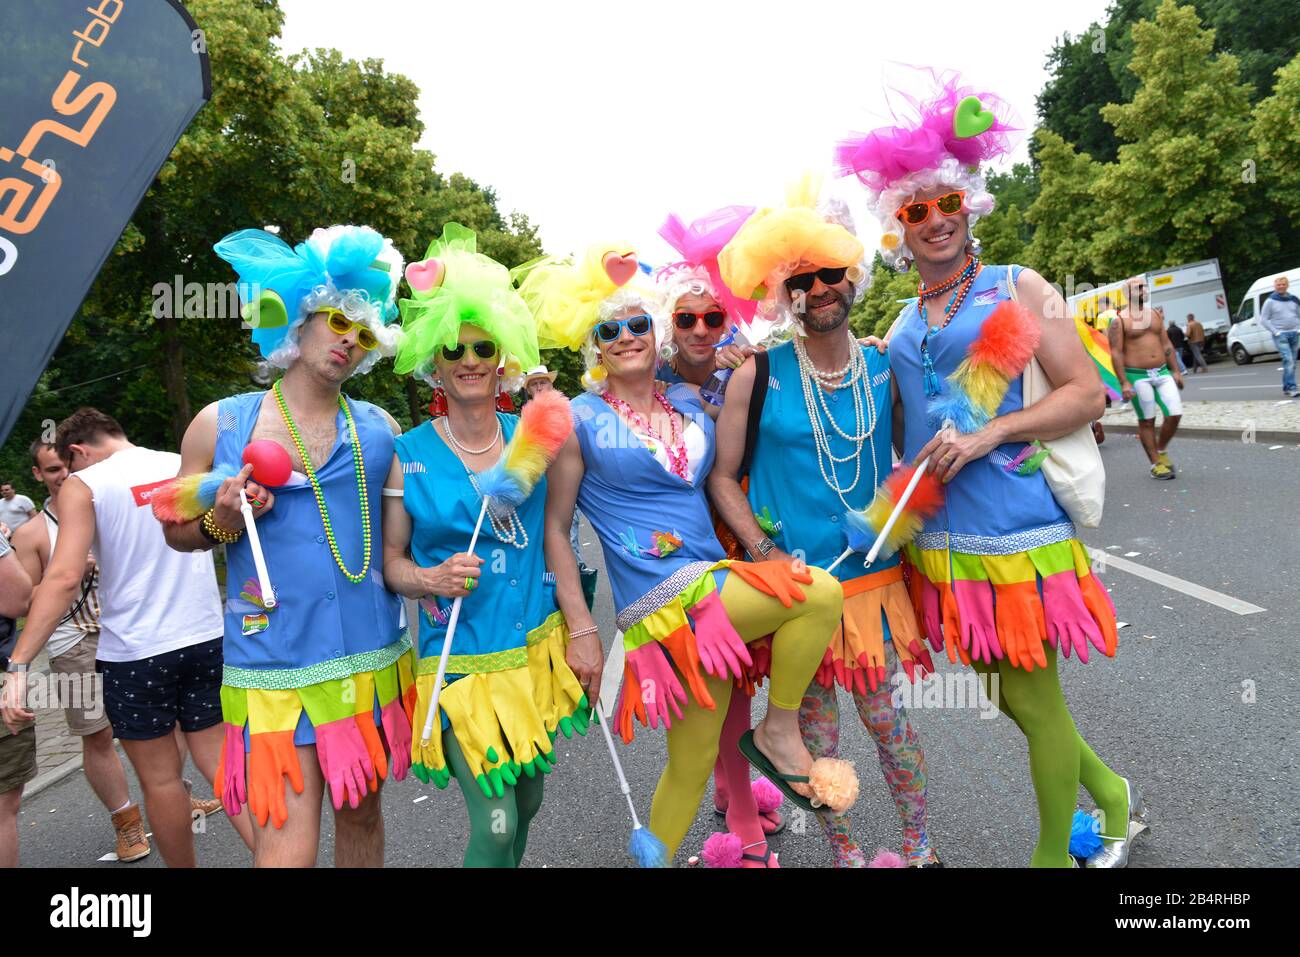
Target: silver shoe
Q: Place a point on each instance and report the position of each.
(1114, 851)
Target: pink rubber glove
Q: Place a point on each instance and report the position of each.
(344, 761)
(397, 731)
(979, 633)
(234, 792)
(657, 683)
(1067, 618)
(931, 614)
(722, 651)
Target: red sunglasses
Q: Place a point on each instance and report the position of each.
(714, 319)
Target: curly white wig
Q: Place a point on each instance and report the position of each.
(629, 297)
(950, 174)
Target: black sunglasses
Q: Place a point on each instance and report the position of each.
(611, 330)
(483, 348)
(804, 281)
(687, 320)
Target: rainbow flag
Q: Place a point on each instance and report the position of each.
(1098, 347)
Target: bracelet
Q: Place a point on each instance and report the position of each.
(593, 630)
(215, 533)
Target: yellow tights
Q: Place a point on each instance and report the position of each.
(800, 636)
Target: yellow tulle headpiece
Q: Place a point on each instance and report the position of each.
(564, 294)
(774, 241)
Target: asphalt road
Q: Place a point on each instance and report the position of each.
(1199, 709)
(1227, 381)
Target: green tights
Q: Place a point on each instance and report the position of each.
(498, 827)
(1059, 759)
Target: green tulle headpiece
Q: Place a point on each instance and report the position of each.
(454, 285)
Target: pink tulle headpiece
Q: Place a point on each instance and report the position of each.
(946, 122)
(699, 245)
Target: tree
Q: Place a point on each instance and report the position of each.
(879, 306)
(1176, 193)
(1064, 214)
(292, 142)
(1277, 142)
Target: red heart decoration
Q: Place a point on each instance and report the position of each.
(620, 269)
(427, 275)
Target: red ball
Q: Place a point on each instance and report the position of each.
(271, 464)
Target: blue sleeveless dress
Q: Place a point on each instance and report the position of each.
(663, 559)
(330, 650)
(1000, 561)
(508, 687)
(805, 517)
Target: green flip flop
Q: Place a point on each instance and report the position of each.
(760, 761)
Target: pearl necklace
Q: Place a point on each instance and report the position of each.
(451, 437)
(509, 530)
(814, 382)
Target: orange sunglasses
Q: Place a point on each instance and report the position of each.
(950, 204)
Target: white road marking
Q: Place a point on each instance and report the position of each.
(1191, 589)
(1225, 388)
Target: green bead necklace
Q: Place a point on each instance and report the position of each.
(362, 495)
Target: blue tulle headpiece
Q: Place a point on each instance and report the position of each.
(351, 268)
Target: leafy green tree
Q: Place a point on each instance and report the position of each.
(1177, 193)
(879, 306)
(1091, 70)
(291, 142)
(1276, 136)
(1003, 235)
(1064, 214)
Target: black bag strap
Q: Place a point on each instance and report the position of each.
(756, 399)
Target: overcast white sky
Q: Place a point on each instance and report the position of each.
(598, 119)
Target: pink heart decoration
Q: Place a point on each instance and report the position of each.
(619, 269)
(427, 275)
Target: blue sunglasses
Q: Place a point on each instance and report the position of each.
(611, 330)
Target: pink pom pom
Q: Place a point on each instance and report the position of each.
(886, 858)
(722, 849)
(766, 795)
(834, 784)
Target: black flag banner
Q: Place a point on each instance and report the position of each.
(94, 94)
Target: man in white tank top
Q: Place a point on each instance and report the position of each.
(160, 620)
(71, 648)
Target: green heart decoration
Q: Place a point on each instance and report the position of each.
(970, 119)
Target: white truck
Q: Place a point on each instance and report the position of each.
(1195, 288)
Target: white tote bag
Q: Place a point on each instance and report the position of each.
(1073, 467)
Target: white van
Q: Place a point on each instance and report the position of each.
(1248, 340)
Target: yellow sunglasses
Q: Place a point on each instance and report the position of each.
(342, 325)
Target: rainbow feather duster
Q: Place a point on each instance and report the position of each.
(862, 528)
(186, 498)
(544, 425)
(1000, 352)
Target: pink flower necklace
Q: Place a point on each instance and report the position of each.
(675, 449)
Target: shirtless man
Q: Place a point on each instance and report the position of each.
(1143, 359)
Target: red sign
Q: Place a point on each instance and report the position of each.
(144, 493)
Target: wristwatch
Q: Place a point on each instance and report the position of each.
(764, 547)
(15, 667)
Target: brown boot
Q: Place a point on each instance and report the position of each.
(131, 842)
(199, 805)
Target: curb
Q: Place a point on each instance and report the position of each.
(1222, 434)
(49, 778)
